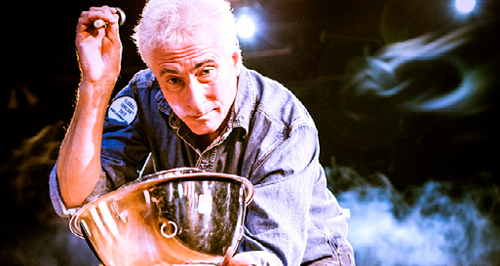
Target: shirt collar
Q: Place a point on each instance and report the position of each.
(244, 104)
(162, 103)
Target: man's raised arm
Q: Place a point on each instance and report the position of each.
(99, 54)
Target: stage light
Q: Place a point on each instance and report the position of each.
(465, 6)
(245, 27)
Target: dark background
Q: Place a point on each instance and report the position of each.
(305, 44)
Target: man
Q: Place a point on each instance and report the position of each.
(198, 106)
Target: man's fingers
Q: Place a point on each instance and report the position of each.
(99, 21)
(112, 29)
(105, 9)
(228, 257)
(107, 14)
(242, 259)
(99, 7)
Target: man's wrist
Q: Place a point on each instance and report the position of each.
(95, 92)
(104, 82)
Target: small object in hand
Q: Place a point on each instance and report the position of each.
(121, 19)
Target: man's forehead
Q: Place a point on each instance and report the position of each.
(192, 54)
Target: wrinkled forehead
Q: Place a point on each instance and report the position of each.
(184, 54)
(193, 46)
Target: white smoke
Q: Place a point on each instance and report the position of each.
(435, 224)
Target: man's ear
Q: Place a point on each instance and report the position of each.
(236, 56)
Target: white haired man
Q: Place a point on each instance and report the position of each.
(196, 105)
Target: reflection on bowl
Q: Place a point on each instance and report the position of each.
(180, 216)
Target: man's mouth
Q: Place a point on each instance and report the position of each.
(200, 116)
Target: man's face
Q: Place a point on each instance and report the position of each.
(199, 81)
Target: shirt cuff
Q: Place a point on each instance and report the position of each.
(57, 202)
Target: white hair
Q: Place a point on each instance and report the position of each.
(173, 23)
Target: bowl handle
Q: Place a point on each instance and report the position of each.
(249, 190)
(172, 225)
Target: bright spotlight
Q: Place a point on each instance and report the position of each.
(465, 6)
(245, 27)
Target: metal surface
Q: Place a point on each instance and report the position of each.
(180, 216)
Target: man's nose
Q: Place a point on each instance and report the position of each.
(195, 97)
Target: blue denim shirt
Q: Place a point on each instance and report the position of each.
(270, 139)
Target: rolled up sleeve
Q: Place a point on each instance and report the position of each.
(57, 202)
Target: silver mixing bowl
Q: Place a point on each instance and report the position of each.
(175, 217)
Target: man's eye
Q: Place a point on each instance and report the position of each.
(173, 81)
(207, 71)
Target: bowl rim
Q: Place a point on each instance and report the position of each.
(157, 178)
